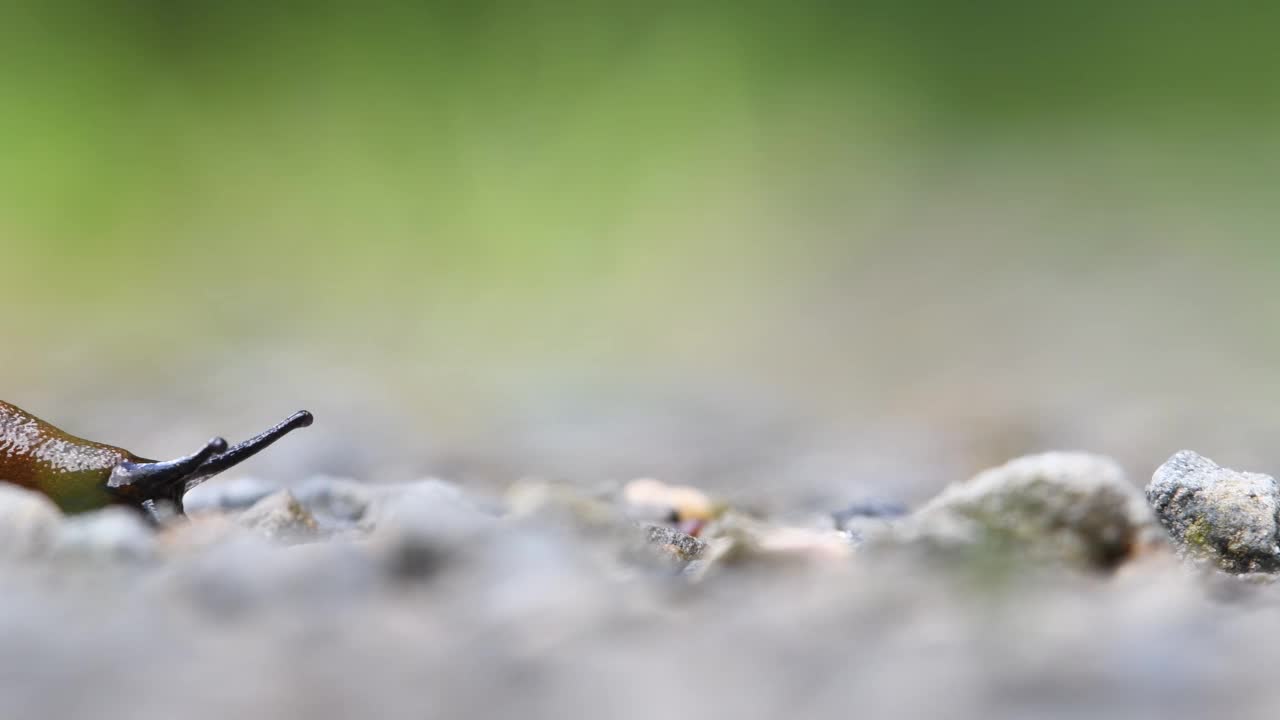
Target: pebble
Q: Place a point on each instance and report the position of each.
(231, 494)
(335, 502)
(29, 523)
(1072, 508)
(432, 507)
(421, 527)
(1215, 514)
(679, 545)
(114, 533)
(280, 517)
(648, 498)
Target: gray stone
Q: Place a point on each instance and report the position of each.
(679, 545)
(232, 494)
(280, 517)
(428, 507)
(1074, 508)
(422, 527)
(114, 533)
(1216, 514)
(29, 522)
(335, 501)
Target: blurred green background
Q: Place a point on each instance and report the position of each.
(447, 226)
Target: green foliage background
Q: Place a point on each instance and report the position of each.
(812, 189)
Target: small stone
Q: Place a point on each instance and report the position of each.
(199, 533)
(426, 507)
(335, 501)
(682, 547)
(742, 540)
(1217, 514)
(650, 499)
(29, 522)
(801, 542)
(280, 517)
(225, 495)
(114, 533)
(1073, 508)
(420, 528)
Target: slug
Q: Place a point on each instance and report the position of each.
(81, 475)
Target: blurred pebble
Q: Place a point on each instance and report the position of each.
(1074, 508)
(247, 572)
(231, 494)
(114, 533)
(198, 532)
(280, 517)
(650, 499)
(420, 526)
(29, 522)
(740, 539)
(805, 542)
(430, 506)
(335, 501)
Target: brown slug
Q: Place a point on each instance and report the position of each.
(81, 475)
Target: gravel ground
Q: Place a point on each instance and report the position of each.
(340, 599)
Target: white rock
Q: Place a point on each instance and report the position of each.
(1069, 507)
(431, 507)
(280, 517)
(29, 522)
(115, 533)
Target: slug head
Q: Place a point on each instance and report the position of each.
(148, 484)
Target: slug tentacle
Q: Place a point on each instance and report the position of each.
(214, 464)
(156, 478)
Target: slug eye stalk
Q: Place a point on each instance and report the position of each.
(224, 459)
(151, 477)
(147, 480)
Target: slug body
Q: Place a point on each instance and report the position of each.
(81, 475)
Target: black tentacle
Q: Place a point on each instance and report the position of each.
(230, 458)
